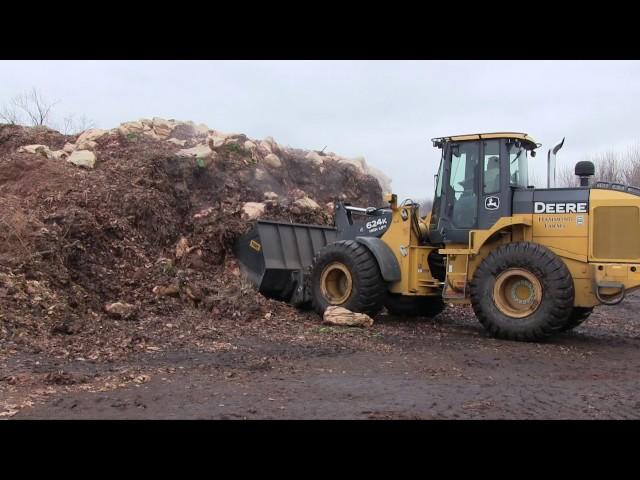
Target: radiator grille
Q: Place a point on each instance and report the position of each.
(616, 233)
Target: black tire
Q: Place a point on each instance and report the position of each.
(556, 298)
(368, 290)
(410, 306)
(578, 316)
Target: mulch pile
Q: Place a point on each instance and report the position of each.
(148, 231)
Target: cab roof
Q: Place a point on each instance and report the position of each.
(480, 136)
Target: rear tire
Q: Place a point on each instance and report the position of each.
(411, 306)
(578, 316)
(522, 291)
(346, 274)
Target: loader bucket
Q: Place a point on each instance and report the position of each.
(274, 255)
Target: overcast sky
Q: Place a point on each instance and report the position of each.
(386, 111)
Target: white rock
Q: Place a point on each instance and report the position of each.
(273, 161)
(154, 135)
(59, 155)
(182, 247)
(83, 158)
(306, 202)
(162, 127)
(249, 145)
(270, 196)
(69, 147)
(86, 145)
(265, 147)
(127, 128)
(90, 135)
(199, 151)
(121, 310)
(253, 209)
(341, 316)
(204, 213)
(272, 143)
(297, 193)
(216, 140)
(175, 141)
(36, 149)
(314, 157)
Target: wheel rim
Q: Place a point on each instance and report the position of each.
(517, 293)
(336, 283)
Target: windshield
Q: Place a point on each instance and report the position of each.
(518, 166)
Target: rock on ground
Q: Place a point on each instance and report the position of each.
(272, 160)
(253, 209)
(199, 151)
(121, 310)
(36, 149)
(83, 158)
(341, 316)
(306, 202)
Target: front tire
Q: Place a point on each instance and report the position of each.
(346, 274)
(522, 291)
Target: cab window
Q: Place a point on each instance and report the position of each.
(518, 166)
(462, 185)
(491, 171)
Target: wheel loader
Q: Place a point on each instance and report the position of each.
(531, 261)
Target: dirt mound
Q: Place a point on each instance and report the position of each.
(14, 136)
(149, 228)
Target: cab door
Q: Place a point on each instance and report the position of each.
(459, 197)
(496, 192)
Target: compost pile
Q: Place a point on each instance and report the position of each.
(118, 241)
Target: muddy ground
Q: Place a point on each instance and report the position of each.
(444, 368)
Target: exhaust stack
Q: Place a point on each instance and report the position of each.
(551, 165)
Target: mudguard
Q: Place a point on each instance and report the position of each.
(386, 259)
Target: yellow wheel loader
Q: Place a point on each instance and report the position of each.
(530, 261)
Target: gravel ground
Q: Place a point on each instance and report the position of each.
(445, 368)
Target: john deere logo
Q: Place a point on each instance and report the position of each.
(255, 245)
(492, 203)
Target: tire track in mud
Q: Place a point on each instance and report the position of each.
(413, 370)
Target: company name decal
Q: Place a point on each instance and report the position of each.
(543, 207)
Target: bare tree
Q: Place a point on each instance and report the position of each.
(609, 167)
(35, 106)
(534, 178)
(566, 177)
(9, 114)
(631, 166)
(72, 126)
(38, 111)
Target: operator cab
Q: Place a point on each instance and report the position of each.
(475, 182)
